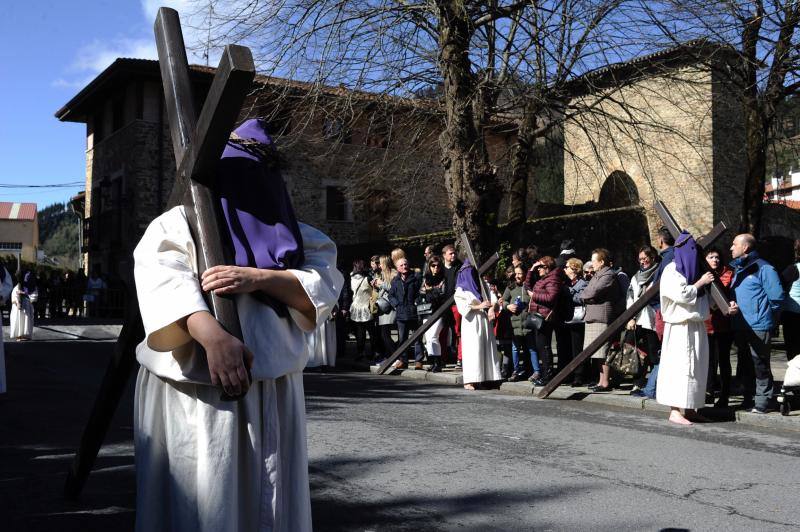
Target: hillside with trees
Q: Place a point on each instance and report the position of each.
(58, 234)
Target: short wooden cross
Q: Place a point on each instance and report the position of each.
(717, 293)
(198, 144)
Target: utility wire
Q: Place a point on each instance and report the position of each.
(54, 185)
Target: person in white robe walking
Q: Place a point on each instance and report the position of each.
(684, 348)
(480, 358)
(21, 318)
(5, 292)
(205, 462)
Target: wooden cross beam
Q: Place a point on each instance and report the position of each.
(430, 321)
(716, 289)
(198, 144)
(644, 299)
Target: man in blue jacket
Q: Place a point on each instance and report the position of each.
(758, 295)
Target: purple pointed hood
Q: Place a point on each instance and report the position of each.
(258, 211)
(467, 280)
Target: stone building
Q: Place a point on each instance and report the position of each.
(364, 168)
(680, 139)
(344, 163)
(19, 230)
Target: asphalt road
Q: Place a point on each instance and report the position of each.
(392, 454)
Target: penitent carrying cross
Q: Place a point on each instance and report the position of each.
(198, 143)
(445, 307)
(717, 294)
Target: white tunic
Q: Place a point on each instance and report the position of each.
(684, 350)
(5, 293)
(322, 345)
(202, 463)
(21, 319)
(480, 360)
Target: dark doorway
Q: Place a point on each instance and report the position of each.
(619, 190)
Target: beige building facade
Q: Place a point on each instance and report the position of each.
(19, 230)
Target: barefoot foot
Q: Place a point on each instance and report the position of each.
(676, 417)
(469, 387)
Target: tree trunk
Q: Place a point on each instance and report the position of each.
(755, 179)
(521, 154)
(470, 179)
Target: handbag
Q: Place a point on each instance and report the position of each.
(383, 305)
(533, 321)
(578, 314)
(424, 308)
(623, 357)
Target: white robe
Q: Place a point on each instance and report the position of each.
(322, 345)
(203, 464)
(480, 360)
(683, 370)
(21, 319)
(5, 293)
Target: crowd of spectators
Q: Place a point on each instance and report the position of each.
(68, 294)
(544, 309)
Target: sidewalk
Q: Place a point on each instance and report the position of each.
(618, 397)
(77, 329)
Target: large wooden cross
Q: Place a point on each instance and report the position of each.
(445, 307)
(198, 143)
(716, 290)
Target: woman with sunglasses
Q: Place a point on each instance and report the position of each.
(432, 292)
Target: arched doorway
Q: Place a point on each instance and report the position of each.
(619, 190)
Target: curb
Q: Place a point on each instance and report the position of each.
(773, 420)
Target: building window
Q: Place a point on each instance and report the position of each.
(10, 246)
(336, 205)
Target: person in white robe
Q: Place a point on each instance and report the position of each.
(480, 358)
(21, 318)
(684, 348)
(5, 292)
(322, 345)
(205, 462)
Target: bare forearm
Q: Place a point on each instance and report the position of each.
(286, 288)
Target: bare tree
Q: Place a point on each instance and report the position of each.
(497, 66)
(762, 39)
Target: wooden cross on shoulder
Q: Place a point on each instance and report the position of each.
(716, 290)
(198, 143)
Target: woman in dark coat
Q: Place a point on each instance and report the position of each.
(544, 300)
(432, 291)
(403, 296)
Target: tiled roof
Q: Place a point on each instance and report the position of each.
(17, 211)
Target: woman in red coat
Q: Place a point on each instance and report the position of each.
(720, 336)
(544, 300)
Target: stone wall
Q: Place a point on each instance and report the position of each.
(667, 153)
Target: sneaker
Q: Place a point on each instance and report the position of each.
(515, 377)
(535, 377)
(759, 411)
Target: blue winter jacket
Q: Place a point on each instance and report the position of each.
(757, 290)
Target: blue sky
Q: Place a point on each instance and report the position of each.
(48, 51)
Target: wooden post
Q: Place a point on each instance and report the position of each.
(198, 144)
